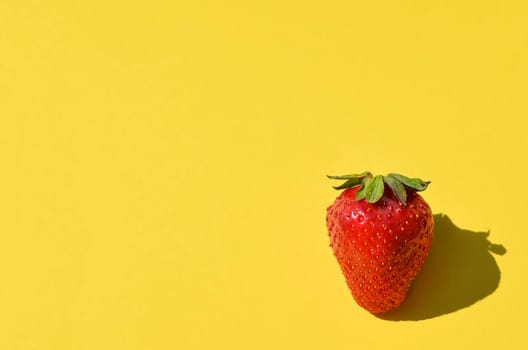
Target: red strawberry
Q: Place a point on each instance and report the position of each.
(381, 231)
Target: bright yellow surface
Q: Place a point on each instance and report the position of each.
(162, 166)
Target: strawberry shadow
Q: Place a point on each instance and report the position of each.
(459, 271)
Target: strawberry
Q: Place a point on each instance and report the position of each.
(380, 231)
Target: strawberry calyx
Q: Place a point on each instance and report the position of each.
(372, 187)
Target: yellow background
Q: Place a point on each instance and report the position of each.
(162, 166)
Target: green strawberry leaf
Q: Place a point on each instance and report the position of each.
(375, 189)
(371, 188)
(351, 180)
(348, 177)
(413, 183)
(348, 183)
(362, 192)
(397, 188)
